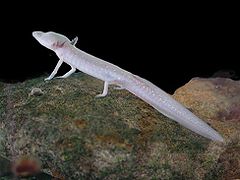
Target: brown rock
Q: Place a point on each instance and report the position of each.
(216, 100)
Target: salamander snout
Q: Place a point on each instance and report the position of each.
(37, 34)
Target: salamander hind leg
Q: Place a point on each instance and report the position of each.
(105, 90)
(74, 41)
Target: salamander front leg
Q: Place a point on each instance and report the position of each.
(73, 69)
(105, 90)
(55, 70)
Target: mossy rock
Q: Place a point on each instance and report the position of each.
(78, 136)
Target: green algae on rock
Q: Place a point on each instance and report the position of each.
(78, 136)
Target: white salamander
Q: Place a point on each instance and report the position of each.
(111, 74)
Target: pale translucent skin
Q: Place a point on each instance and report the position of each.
(111, 74)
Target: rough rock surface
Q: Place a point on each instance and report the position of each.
(77, 136)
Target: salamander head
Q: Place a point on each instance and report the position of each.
(50, 40)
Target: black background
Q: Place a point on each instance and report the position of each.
(166, 44)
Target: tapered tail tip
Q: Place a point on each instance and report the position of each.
(218, 138)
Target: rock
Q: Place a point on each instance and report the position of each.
(226, 73)
(5, 166)
(25, 167)
(36, 92)
(78, 136)
(216, 100)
